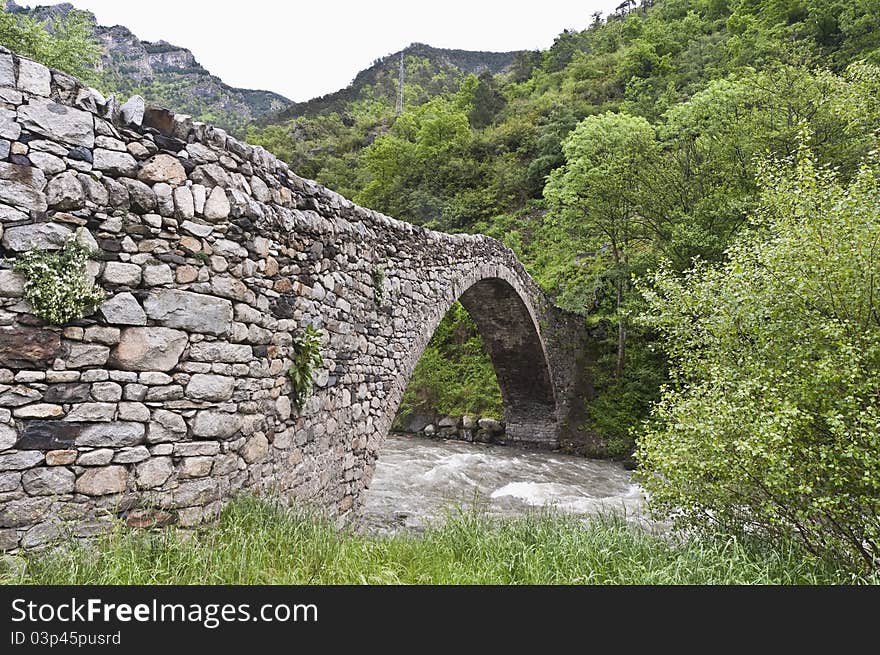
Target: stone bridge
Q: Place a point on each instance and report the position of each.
(173, 394)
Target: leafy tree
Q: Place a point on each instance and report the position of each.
(487, 102)
(598, 195)
(771, 424)
(65, 43)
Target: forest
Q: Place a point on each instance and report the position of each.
(699, 180)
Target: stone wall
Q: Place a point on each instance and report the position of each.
(174, 394)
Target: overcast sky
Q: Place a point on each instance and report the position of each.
(306, 49)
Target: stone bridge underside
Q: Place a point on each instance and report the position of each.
(173, 395)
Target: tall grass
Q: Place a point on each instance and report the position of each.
(257, 542)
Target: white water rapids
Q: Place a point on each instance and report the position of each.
(417, 480)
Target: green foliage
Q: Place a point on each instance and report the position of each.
(56, 282)
(454, 375)
(259, 542)
(378, 279)
(306, 360)
(772, 424)
(65, 43)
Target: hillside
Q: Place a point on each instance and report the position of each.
(436, 70)
(165, 74)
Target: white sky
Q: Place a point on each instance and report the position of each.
(306, 49)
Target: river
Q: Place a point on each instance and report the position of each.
(417, 479)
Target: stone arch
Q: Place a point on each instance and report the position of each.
(509, 325)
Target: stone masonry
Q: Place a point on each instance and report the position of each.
(173, 395)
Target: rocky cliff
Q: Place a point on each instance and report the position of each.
(166, 75)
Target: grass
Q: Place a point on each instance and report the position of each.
(257, 542)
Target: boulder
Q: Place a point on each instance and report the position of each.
(232, 353)
(8, 437)
(149, 349)
(95, 412)
(255, 449)
(21, 460)
(58, 122)
(7, 70)
(212, 424)
(33, 77)
(65, 192)
(217, 206)
(38, 410)
(184, 207)
(132, 111)
(94, 190)
(153, 472)
(114, 162)
(123, 309)
(47, 162)
(490, 425)
(164, 198)
(157, 275)
(103, 481)
(140, 196)
(48, 435)
(28, 347)
(22, 186)
(196, 492)
(166, 426)
(61, 458)
(9, 128)
(20, 395)
(123, 274)
(52, 481)
(162, 168)
(80, 355)
(214, 388)
(194, 312)
(111, 435)
(18, 513)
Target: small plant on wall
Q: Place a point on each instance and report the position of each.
(378, 276)
(306, 359)
(56, 282)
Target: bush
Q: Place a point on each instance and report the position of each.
(56, 284)
(772, 422)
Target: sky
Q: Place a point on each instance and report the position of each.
(306, 49)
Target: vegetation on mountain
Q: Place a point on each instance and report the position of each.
(64, 43)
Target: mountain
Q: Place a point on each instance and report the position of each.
(166, 74)
(433, 70)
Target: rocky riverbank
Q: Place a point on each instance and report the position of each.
(463, 428)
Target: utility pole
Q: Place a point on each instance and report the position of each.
(400, 87)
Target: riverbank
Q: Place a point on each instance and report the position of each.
(256, 542)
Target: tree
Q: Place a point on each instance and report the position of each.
(66, 43)
(772, 422)
(597, 197)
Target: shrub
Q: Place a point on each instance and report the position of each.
(772, 422)
(306, 359)
(56, 283)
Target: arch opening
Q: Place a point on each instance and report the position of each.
(511, 338)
